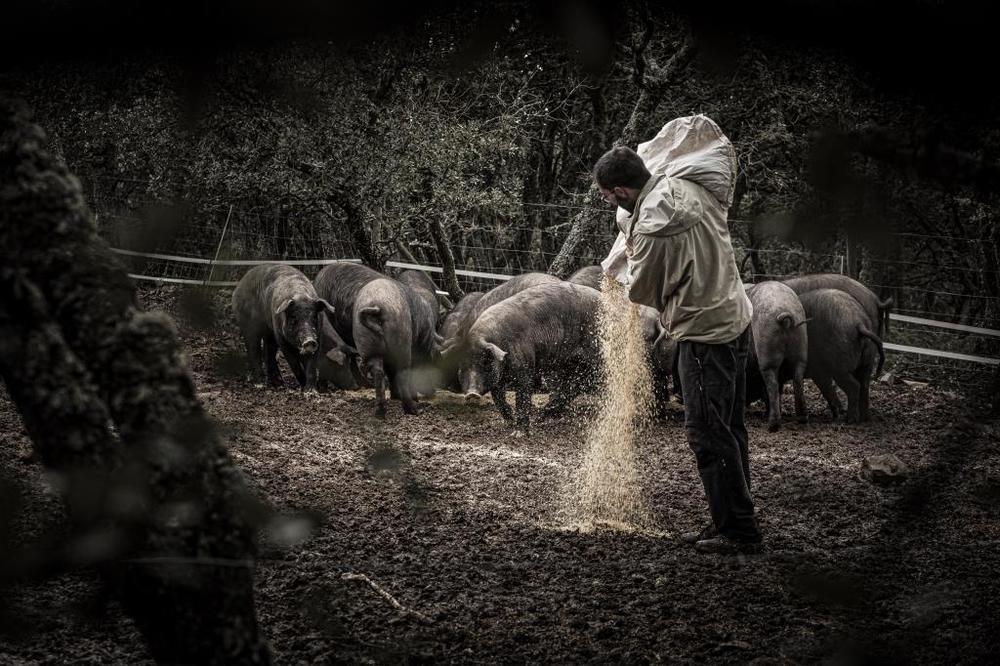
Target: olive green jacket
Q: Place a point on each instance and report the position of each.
(682, 262)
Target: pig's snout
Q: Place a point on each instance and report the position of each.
(308, 348)
(473, 396)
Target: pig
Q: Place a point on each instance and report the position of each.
(842, 349)
(877, 310)
(661, 354)
(276, 306)
(339, 284)
(779, 342)
(420, 282)
(447, 328)
(427, 375)
(451, 321)
(336, 365)
(460, 355)
(588, 276)
(551, 328)
(393, 332)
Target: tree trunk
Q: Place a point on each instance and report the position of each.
(76, 356)
(655, 83)
(363, 238)
(445, 256)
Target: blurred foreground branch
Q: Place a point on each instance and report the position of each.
(112, 414)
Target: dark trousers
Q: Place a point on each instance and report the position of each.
(713, 381)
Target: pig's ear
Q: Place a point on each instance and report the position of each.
(284, 306)
(337, 356)
(498, 353)
(322, 305)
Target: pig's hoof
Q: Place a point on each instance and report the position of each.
(773, 426)
(802, 419)
(412, 411)
(380, 412)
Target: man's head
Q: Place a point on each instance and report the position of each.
(620, 174)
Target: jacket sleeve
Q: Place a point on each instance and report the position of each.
(655, 270)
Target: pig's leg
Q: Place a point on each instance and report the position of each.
(798, 382)
(499, 393)
(773, 399)
(852, 387)
(825, 385)
(523, 383)
(498, 390)
(255, 359)
(404, 384)
(271, 361)
(379, 379)
(294, 362)
(863, 395)
(564, 389)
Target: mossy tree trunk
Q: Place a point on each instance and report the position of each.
(156, 503)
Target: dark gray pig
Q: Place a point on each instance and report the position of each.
(842, 349)
(876, 309)
(420, 282)
(446, 329)
(550, 328)
(499, 293)
(780, 344)
(588, 276)
(459, 342)
(427, 375)
(276, 306)
(339, 284)
(393, 333)
(453, 319)
(336, 365)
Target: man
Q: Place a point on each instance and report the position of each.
(680, 261)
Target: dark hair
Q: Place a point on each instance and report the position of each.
(620, 167)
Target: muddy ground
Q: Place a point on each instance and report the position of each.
(463, 526)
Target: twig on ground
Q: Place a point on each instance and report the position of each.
(388, 597)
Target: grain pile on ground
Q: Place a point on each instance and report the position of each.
(607, 489)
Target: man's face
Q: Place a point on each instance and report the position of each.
(621, 196)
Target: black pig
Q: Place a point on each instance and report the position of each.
(842, 349)
(459, 344)
(549, 328)
(393, 328)
(588, 276)
(276, 306)
(780, 346)
(876, 310)
(339, 283)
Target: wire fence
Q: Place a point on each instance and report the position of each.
(946, 330)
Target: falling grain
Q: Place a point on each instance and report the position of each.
(606, 489)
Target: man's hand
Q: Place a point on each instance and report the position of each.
(628, 247)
